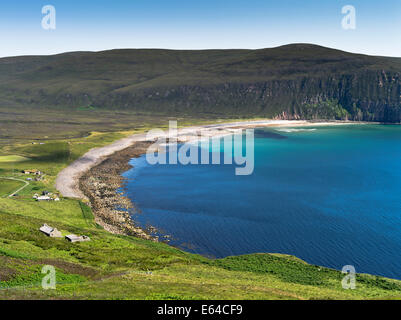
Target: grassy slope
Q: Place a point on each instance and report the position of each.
(9, 186)
(24, 125)
(121, 267)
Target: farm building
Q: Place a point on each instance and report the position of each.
(50, 231)
(43, 198)
(75, 238)
(46, 197)
(33, 171)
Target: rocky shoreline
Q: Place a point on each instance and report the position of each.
(99, 185)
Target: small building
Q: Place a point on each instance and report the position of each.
(43, 198)
(75, 238)
(50, 231)
(33, 171)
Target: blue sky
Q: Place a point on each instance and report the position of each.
(176, 24)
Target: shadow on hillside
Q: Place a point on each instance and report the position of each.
(57, 156)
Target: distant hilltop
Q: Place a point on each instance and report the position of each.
(297, 81)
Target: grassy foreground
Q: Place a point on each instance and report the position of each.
(121, 267)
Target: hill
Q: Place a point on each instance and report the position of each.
(291, 82)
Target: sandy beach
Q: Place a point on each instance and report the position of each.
(67, 181)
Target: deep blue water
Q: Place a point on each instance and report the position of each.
(331, 197)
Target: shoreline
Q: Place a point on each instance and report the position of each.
(97, 174)
(100, 184)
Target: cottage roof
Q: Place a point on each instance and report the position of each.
(75, 238)
(72, 237)
(46, 229)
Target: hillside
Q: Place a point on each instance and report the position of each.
(291, 82)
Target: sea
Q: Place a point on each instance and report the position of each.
(330, 195)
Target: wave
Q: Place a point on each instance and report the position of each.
(295, 130)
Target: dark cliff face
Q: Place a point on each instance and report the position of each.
(290, 82)
(362, 97)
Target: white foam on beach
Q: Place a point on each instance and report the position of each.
(295, 130)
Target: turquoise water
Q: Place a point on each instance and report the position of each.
(331, 196)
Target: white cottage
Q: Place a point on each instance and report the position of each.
(75, 238)
(50, 231)
(43, 198)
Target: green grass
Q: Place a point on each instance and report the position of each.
(122, 267)
(9, 186)
(12, 158)
(27, 125)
